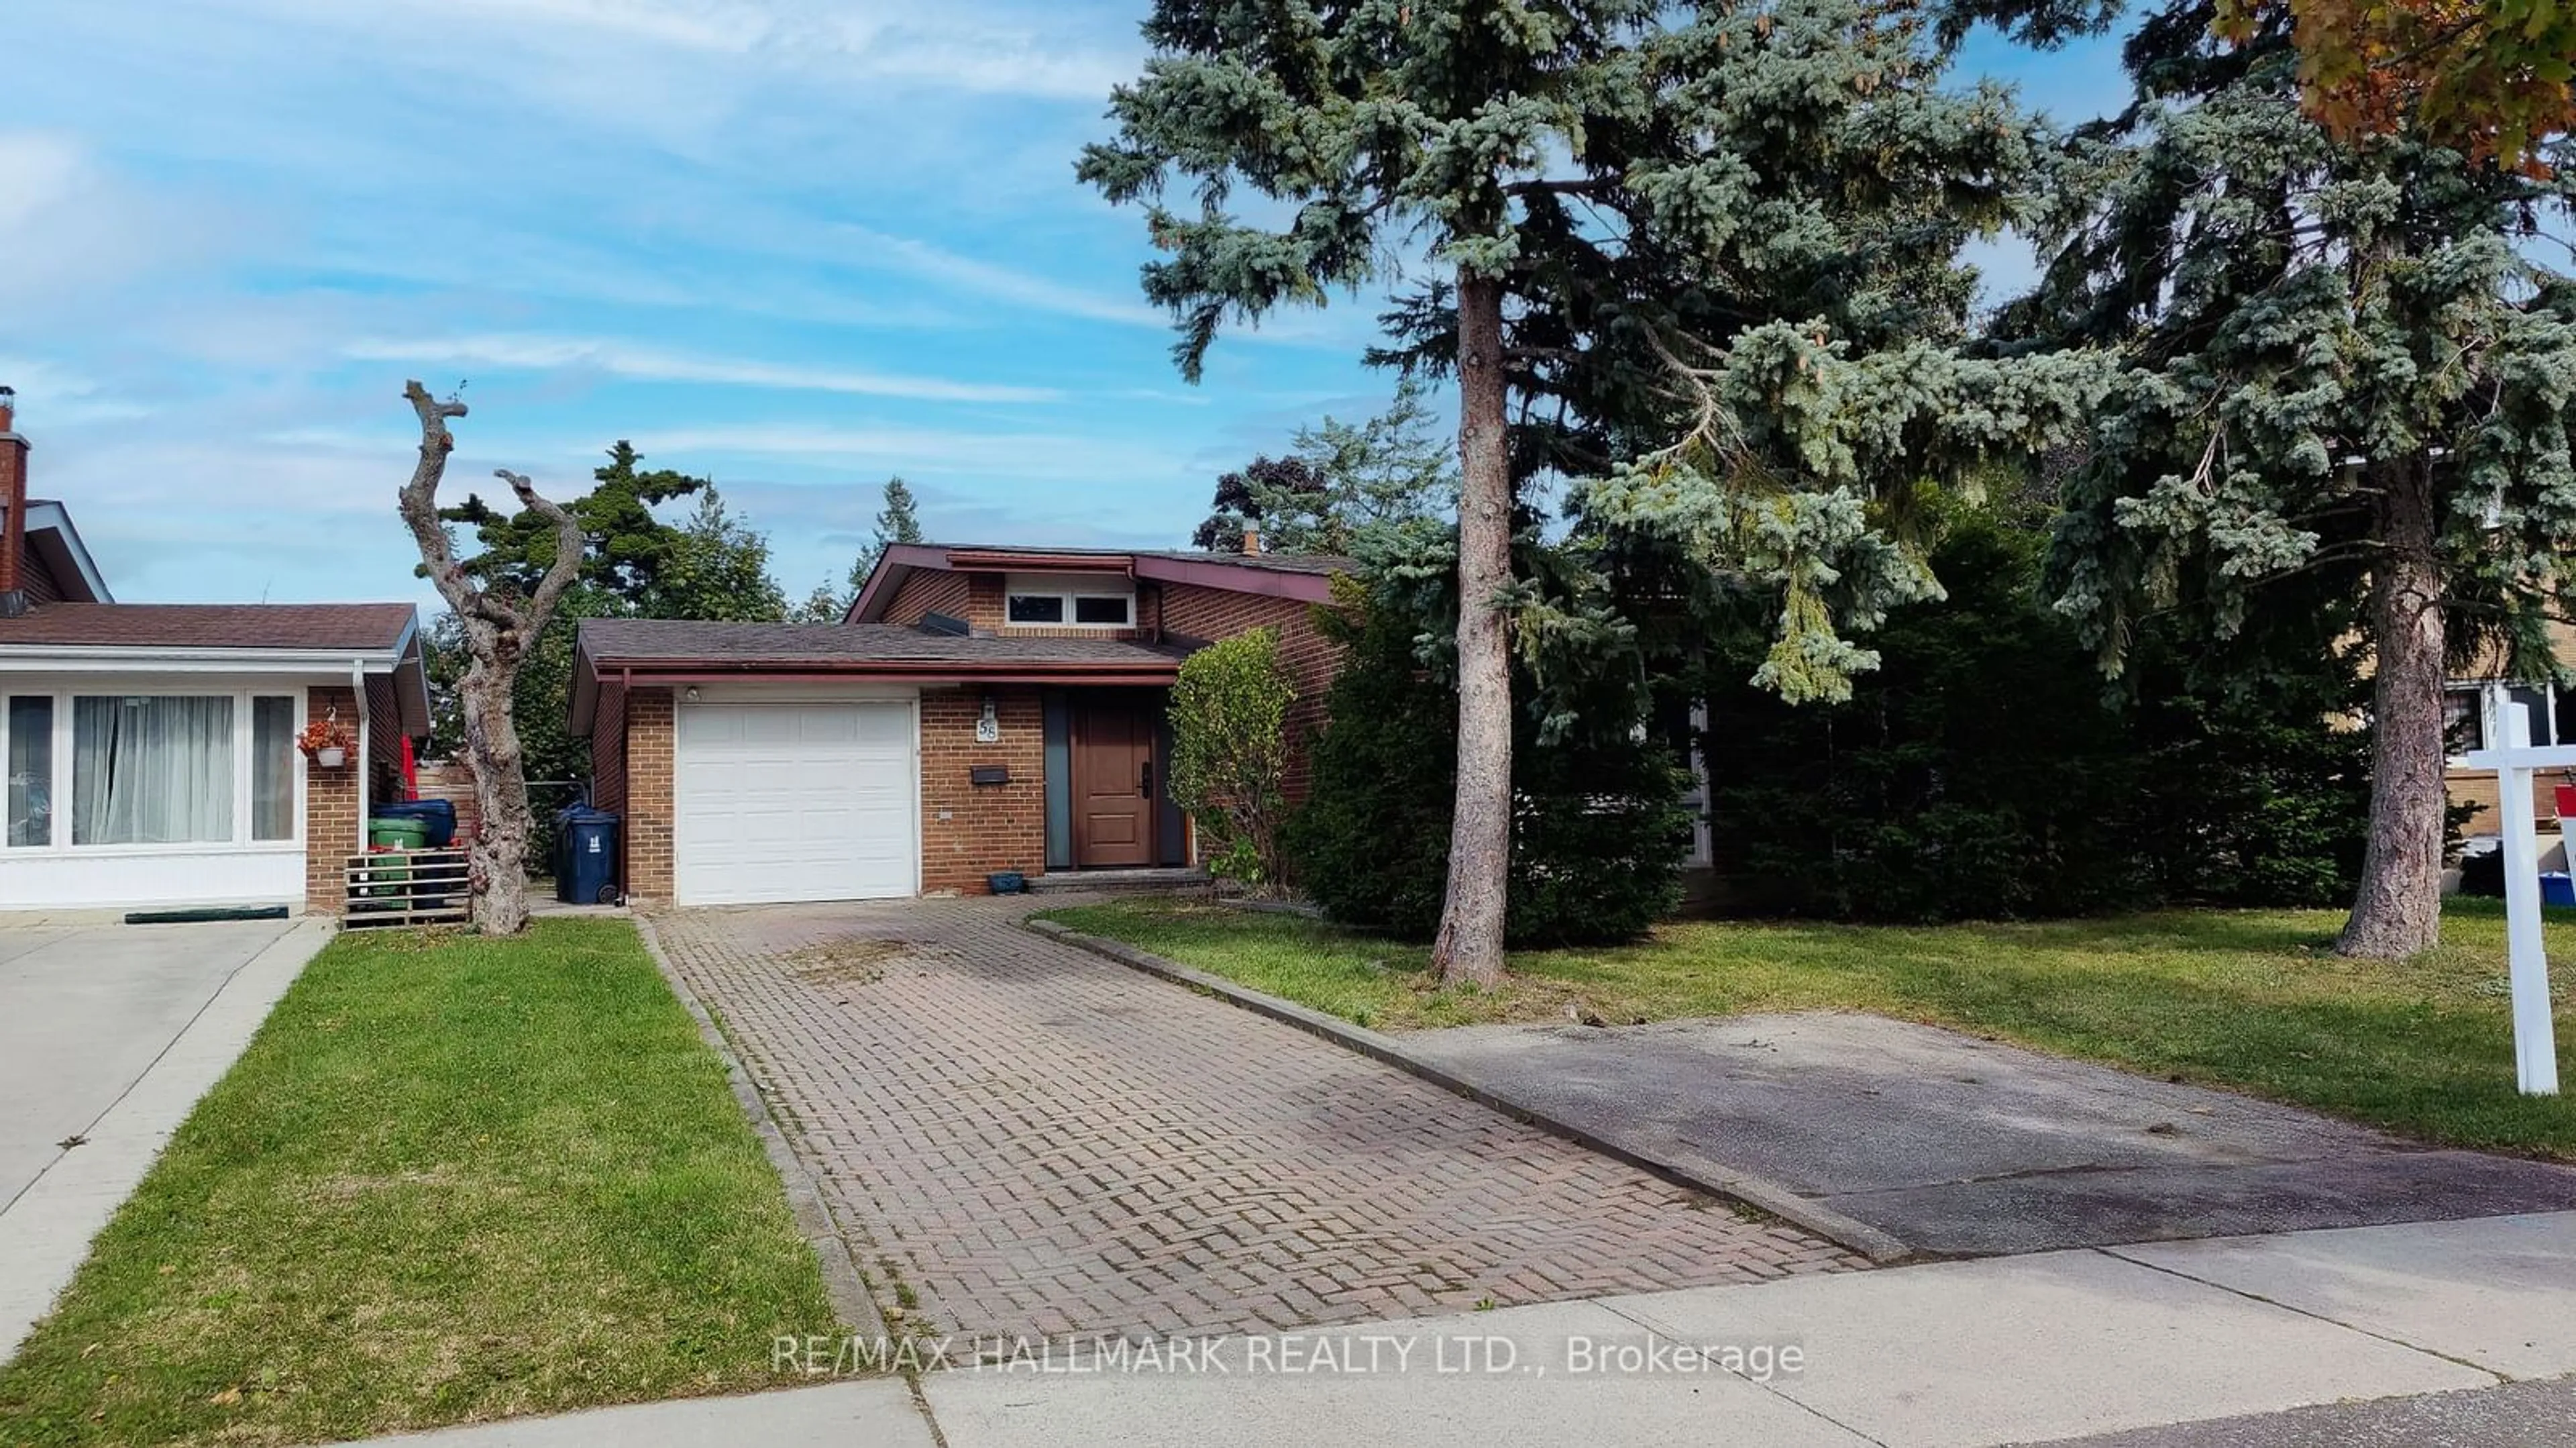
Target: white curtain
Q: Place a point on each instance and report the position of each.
(151, 770)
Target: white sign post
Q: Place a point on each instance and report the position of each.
(2535, 1040)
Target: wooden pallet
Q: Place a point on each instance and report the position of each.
(407, 887)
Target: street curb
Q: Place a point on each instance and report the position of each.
(843, 1283)
(1758, 1192)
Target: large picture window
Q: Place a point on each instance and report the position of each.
(151, 769)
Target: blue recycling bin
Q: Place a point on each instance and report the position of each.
(586, 856)
(437, 818)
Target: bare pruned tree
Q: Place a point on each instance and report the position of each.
(499, 627)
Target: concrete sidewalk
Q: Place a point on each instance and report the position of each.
(2321, 1337)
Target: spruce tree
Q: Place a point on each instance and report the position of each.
(899, 521)
(2340, 359)
(1573, 157)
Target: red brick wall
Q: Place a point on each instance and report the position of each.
(1191, 611)
(330, 812)
(648, 794)
(37, 577)
(987, 828)
(927, 592)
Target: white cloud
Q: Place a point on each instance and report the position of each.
(72, 235)
(1042, 52)
(997, 283)
(534, 353)
(49, 394)
(1050, 457)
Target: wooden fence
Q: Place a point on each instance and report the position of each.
(407, 887)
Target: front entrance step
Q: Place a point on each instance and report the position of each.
(1134, 881)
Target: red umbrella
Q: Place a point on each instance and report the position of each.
(410, 771)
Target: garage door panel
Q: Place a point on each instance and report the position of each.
(785, 802)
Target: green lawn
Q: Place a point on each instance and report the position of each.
(2248, 999)
(451, 1180)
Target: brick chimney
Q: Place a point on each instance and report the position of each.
(13, 496)
(1251, 537)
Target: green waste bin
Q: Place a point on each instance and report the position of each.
(392, 876)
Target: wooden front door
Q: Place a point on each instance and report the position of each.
(1113, 782)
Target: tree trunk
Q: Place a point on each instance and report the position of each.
(2398, 911)
(497, 856)
(1470, 944)
(498, 632)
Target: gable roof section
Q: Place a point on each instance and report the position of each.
(51, 536)
(1279, 575)
(367, 628)
(660, 651)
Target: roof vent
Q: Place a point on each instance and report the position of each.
(940, 623)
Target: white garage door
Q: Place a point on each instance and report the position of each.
(779, 802)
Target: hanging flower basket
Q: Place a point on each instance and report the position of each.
(325, 742)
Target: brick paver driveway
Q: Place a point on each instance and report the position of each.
(1035, 1141)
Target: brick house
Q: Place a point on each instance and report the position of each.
(2476, 706)
(150, 748)
(981, 709)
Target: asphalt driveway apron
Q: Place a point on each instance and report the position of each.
(1956, 1145)
(1023, 1139)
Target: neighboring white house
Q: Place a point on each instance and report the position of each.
(151, 749)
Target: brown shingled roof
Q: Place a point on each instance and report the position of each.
(610, 641)
(1320, 563)
(369, 626)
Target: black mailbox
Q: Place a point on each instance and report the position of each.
(984, 774)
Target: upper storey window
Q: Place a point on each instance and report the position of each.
(1069, 601)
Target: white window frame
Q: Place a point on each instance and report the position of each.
(108, 686)
(2494, 697)
(1069, 587)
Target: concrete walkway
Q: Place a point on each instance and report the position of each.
(108, 1035)
(2341, 1337)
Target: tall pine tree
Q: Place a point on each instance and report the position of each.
(2341, 360)
(1566, 155)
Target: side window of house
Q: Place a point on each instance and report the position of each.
(2468, 708)
(1037, 608)
(31, 770)
(1111, 610)
(2463, 721)
(2534, 703)
(1040, 602)
(272, 767)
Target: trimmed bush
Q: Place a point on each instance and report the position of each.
(1230, 752)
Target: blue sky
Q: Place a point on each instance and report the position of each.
(794, 244)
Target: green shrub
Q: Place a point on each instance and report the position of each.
(1984, 770)
(1230, 752)
(1598, 832)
